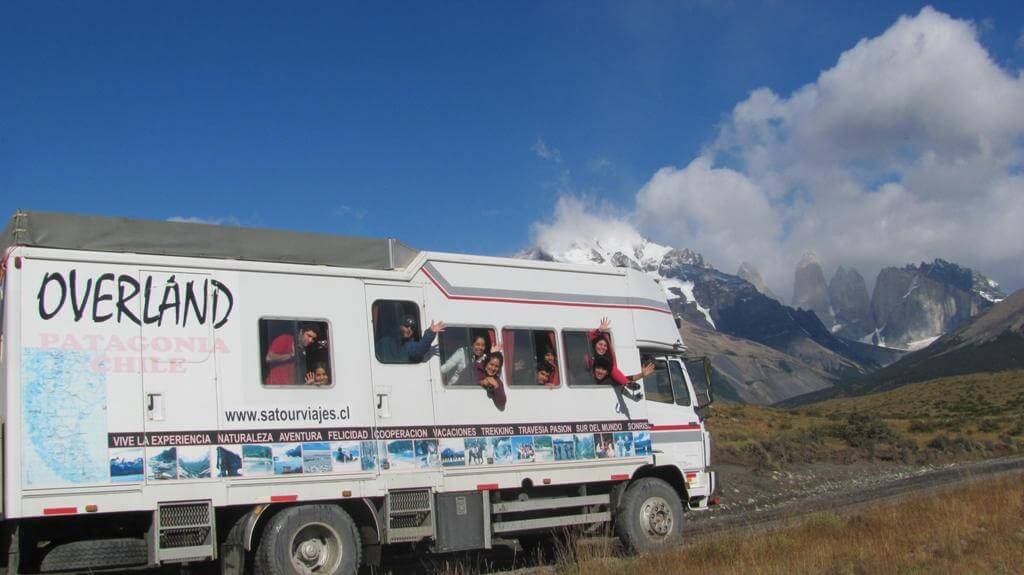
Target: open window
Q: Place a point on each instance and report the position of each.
(295, 352)
(395, 323)
(531, 357)
(461, 347)
(579, 355)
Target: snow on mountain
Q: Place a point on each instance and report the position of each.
(675, 288)
(663, 263)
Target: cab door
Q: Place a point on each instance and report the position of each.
(402, 397)
(676, 430)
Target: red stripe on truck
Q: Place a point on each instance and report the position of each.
(487, 487)
(620, 477)
(60, 511)
(675, 427)
(283, 498)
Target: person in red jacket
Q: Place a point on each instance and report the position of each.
(601, 348)
(286, 361)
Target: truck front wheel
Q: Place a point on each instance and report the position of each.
(649, 516)
(309, 539)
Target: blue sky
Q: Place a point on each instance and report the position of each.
(452, 126)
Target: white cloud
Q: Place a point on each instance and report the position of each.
(212, 220)
(545, 152)
(345, 211)
(579, 219)
(910, 147)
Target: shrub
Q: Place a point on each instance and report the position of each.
(988, 426)
(957, 444)
(919, 426)
(1017, 429)
(865, 431)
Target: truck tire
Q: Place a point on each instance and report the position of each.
(95, 554)
(649, 516)
(309, 539)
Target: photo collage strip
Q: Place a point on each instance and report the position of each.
(137, 464)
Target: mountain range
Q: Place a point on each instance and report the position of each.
(765, 351)
(991, 342)
(910, 307)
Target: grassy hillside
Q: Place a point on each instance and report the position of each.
(933, 534)
(979, 415)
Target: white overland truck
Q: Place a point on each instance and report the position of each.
(178, 393)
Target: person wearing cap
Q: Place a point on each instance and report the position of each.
(412, 348)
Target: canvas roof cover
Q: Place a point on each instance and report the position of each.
(109, 234)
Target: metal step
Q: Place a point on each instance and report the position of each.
(548, 522)
(573, 510)
(549, 503)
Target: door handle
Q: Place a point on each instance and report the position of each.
(155, 406)
(383, 405)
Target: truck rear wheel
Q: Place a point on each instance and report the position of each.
(649, 516)
(307, 540)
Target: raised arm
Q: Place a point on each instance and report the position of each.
(455, 363)
(417, 350)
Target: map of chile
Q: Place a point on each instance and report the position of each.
(64, 408)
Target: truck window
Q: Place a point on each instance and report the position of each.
(531, 357)
(460, 348)
(578, 356)
(396, 324)
(295, 352)
(658, 385)
(679, 388)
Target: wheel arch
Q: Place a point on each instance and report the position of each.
(669, 474)
(362, 512)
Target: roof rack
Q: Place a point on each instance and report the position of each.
(125, 235)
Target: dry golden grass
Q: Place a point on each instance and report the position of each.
(978, 415)
(975, 395)
(977, 530)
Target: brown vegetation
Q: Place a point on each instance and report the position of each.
(979, 529)
(972, 416)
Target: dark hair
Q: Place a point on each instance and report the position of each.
(545, 367)
(321, 365)
(602, 362)
(480, 335)
(593, 343)
(310, 327)
(492, 355)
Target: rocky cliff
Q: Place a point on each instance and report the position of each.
(748, 272)
(810, 291)
(848, 295)
(915, 304)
